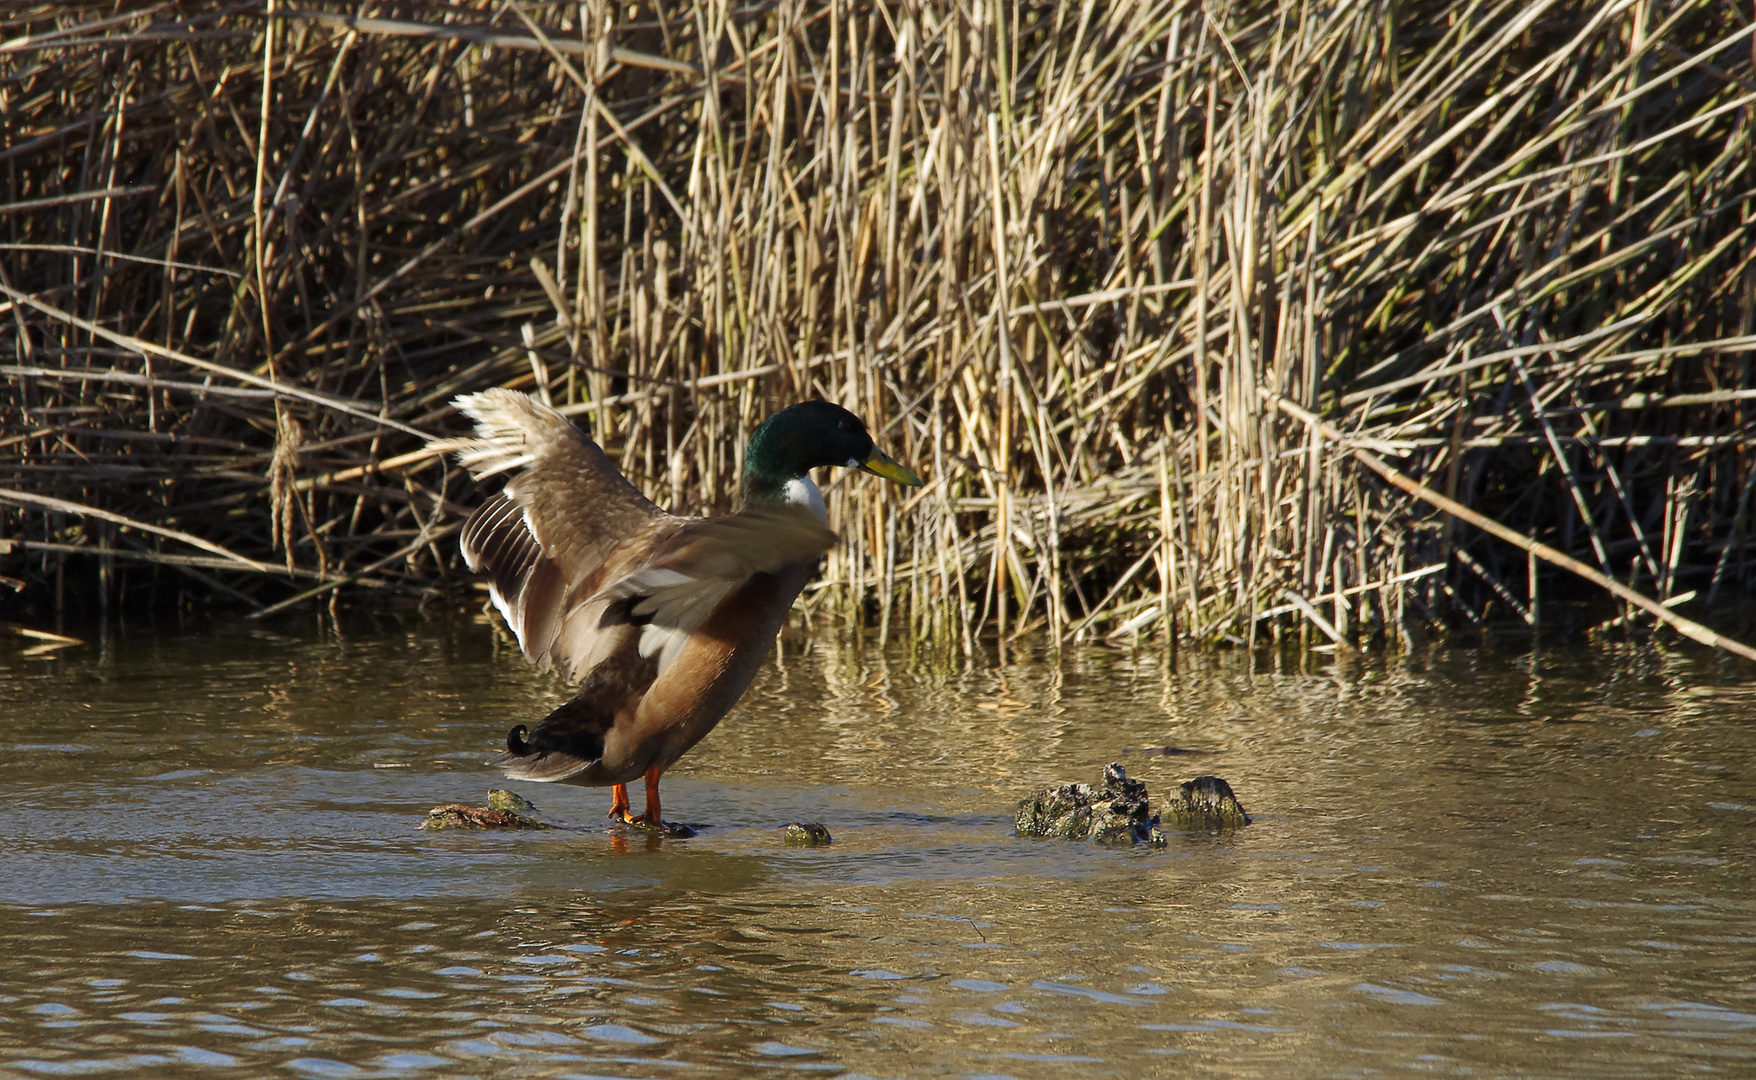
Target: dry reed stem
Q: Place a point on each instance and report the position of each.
(1053, 253)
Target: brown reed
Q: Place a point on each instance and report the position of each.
(1065, 258)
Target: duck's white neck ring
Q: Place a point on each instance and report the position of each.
(803, 492)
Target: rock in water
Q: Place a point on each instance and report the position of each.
(505, 810)
(1205, 802)
(806, 834)
(513, 803)
(1061, 811)
(1116, 814)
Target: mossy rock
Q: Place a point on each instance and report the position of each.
(505, 810)
(1113, 814)
(1060, 810)
(1205, 802)
(806, 834)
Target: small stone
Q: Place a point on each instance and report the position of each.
(806, 834)
(512, 803)
(1117, 814)
(504, 811)
(1205, 802)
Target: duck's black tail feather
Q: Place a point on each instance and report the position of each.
(567, 742)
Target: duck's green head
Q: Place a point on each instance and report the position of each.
(807, 436)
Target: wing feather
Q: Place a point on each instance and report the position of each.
(702, 561)
(562, 517)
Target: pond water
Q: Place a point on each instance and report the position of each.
(1463, 863)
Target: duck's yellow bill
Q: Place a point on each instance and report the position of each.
(878, 463)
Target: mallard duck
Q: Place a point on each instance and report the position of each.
(662, 620)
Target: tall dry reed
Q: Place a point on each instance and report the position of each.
(1096, 269)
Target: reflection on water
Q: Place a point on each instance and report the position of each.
(1462, 864)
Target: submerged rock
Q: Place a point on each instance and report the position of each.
(1115, 814)
(505, 810)
(806, 834)
(1205, 802)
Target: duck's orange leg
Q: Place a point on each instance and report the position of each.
(651, 817)
(619, 803)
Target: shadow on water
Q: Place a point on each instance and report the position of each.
(1464, 861)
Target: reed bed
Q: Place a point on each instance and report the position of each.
(1139, 287)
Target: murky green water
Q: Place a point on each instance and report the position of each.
(209, 865)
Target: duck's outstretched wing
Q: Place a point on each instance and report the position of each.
(697, 583)
(544, 541)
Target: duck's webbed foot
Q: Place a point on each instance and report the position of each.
(652, 819)
(619, 804)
